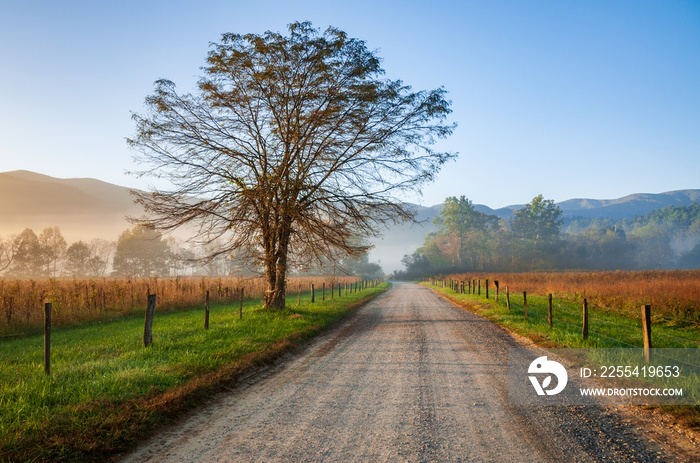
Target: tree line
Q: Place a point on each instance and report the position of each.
(538, 237)
(138, 252)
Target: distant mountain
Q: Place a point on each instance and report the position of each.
(83, 208)
(86, 208)
(629, 206)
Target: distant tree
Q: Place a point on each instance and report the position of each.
(539, 221)
(601, 248)
(653, 247)
(54, 247)
(467, 225)
(537, 229)
(182, 257)
(362, 268)
(458, 217)
(30, 259)
(141, 252)
(101, 251)
(416, 265)
(8, 250)
(670, 216)
(77, 259)
(292, 146)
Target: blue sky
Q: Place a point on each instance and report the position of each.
(569, 99)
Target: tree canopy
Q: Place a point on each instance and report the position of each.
(464, 224)
(539, 221)
(291, 148)
(141, 252)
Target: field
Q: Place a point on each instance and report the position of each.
(106, 390)
(674, 295)
(614, 305)
(98, 300)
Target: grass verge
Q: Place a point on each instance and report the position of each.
(106, 391)
(606, 329)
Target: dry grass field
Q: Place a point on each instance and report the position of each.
(90, 300)
(673, 294)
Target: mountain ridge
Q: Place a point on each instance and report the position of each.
(82, 208)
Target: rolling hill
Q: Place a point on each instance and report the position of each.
(83, 208)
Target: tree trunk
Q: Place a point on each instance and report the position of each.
(276, 292)
(277, 272)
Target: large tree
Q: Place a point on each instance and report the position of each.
(291, 147)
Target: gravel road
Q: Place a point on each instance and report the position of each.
(410, 377)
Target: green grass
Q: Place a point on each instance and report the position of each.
(106, 390)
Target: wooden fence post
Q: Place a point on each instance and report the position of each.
(584, 331)
(507, 299)
(525, 303)
(148, 325)
(549, 311)
(206, 311)
(487, 289)
(299, 295)
(646, 332)
(332, 289)
(47, 338)
(495, 282)
(470, 286)
(479, 293)
(323, 292)
(313, 293)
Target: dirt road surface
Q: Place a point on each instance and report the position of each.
(410, 377)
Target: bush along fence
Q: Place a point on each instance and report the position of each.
(573, 323)
(349, 287)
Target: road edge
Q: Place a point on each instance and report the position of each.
(259, 366)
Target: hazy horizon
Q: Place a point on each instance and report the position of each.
(84, 209)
